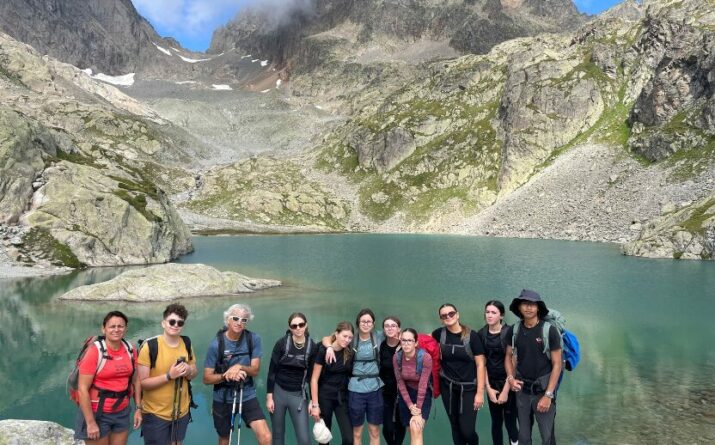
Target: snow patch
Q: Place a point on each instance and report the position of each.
(318, 107)
(254, 60)
(185, 82)
(222, 87)
(186, 59)
(87, 71)
(278, 83)
(247, 56)
(265, 91)
(125, 80)
(264, 62)
(164, 50)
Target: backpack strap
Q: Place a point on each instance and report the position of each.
(514, 335)
(545, 338)
(420, 361)
(503, 335)
(102, 358)
(467, 346)
(187, 344)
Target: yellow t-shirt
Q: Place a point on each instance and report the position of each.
(160, 401)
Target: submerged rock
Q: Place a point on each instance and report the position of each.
(35, 432)
(168, 282)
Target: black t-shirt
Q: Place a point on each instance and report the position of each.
(288, 372)
(495, 351)
(531, 362)
(387, 370)
(455, 363)
(334, 376)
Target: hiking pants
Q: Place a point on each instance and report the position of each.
(459, 404)
(505, 415)
(392, 428)
(297, 407)
(526, 407)
(330, 406)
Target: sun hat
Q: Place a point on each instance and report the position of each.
(528, 295)
(321, 433)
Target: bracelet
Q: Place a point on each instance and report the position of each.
(510, 378)
(314, 405)
(168, 376)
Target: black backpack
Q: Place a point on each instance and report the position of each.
(221, 366)
(153, 345)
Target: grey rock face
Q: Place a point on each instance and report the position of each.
(384, 150)
(106, 35)
(472, 26)
(35, 432)
(169, 282)
(688, 233)
(76, 157)
(675, 109)
(22, 144)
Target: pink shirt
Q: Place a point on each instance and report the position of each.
(409, 377)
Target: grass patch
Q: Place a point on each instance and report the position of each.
(58, 253)
(77, 158)
(694, 224)
(138, 201)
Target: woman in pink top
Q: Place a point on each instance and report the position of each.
(413, 371)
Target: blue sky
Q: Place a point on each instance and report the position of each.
(192, 22)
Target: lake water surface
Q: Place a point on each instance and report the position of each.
(645, 326)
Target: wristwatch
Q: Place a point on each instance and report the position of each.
(549, 394)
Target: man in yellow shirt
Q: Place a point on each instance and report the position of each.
(166, 365)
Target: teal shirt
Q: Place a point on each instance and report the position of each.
(367, 351)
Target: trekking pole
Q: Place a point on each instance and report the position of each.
(233, 414)
(180, 380)
(174, 411)
(240, 412)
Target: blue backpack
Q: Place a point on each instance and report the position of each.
(571, 350)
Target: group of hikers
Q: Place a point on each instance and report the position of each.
(355, 375)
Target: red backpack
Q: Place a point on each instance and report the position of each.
(431, 346)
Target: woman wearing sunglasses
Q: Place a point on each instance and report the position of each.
(105, 384)
(329, 382)
(289, 371)
(462, 374)
(392, 428)
(413, 371)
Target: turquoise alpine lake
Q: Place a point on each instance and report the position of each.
(645, 326)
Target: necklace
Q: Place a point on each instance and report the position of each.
(298, 345)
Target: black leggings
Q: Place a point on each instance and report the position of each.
(461, 413)
(330, 406)
(392, 428)
(507, 415)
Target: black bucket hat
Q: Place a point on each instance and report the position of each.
(528, 295)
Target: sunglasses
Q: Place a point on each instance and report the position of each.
(175, 322)
(239, 319)
(297, 325)
(407, 340)
(449, 314)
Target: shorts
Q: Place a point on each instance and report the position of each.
(157, 431)
(107, 422)
(250, 412)
(405, 414)
(365, 405)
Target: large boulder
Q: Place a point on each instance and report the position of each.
(35, 432)
(107, 220)
(167, 282)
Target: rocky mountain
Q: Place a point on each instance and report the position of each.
(108, 36)
(309, 33)
(379, 115)
(438, 145)
(80, 164)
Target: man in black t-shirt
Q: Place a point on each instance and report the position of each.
(537, 370)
